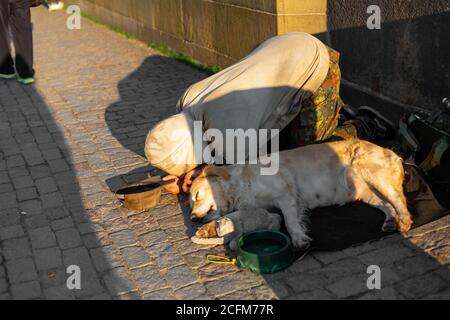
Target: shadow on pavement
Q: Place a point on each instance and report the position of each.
(148, 95)
(44, 225)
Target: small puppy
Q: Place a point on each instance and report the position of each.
(313, 176)
(229, 228)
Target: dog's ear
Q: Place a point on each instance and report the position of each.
(217, 171)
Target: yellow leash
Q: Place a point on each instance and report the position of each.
(221, 259)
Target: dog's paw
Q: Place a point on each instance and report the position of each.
(404, 224)
(208, 241)
(300, 242)
(389, 226)
(207, 231)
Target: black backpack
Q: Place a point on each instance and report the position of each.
(425, 139)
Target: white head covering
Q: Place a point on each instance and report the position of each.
(170, 145)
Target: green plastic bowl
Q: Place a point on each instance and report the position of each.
(264, 251)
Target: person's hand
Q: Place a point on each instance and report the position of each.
(189, 178)
(173, 187)
(181, 184)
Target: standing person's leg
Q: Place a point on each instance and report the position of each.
(6, 62)
(22, 33)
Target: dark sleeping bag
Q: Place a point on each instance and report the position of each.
(336, 228)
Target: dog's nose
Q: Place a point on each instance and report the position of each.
(194, 218)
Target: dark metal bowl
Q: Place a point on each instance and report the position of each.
(142, 195)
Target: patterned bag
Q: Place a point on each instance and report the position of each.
(319, 113)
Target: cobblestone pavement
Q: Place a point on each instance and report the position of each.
(79, 132)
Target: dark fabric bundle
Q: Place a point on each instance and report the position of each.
(35, 3)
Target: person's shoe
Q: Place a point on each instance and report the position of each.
(347, 113)
(370, 129)
(7, 76)
(380, 126)
(28, 80)
(7, 69)
(351, 111)
(371, 112)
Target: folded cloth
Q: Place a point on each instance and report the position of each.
(261, 91)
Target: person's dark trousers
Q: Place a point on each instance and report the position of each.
(15, 16)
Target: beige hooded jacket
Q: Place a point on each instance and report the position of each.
(261, 91)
